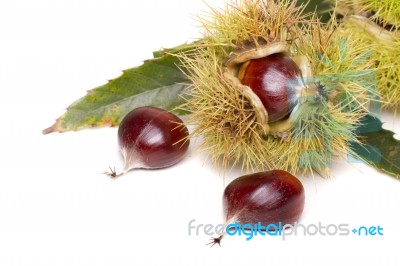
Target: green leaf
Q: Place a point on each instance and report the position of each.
(379, 148)
(158, 82)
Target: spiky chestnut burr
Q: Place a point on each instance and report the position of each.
(377, 24)
(231, 118)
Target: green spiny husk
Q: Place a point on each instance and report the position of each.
(380, 31)
(384, 12)
(252, 23)
(322, 124)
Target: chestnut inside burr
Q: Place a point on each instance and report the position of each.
(275, 79)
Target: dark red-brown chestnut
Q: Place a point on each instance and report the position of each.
(274, 79)
(151, 138)
(270, 197)
(267, 197)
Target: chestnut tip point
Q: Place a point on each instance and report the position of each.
(113, 174)
(214, 241)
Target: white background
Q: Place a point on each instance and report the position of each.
(56, 207)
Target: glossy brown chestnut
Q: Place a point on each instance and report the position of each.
(274, 80)
(151, 138)
(267, 197)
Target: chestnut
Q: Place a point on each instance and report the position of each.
(151, 138)
(274, 80)
(270, 197)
